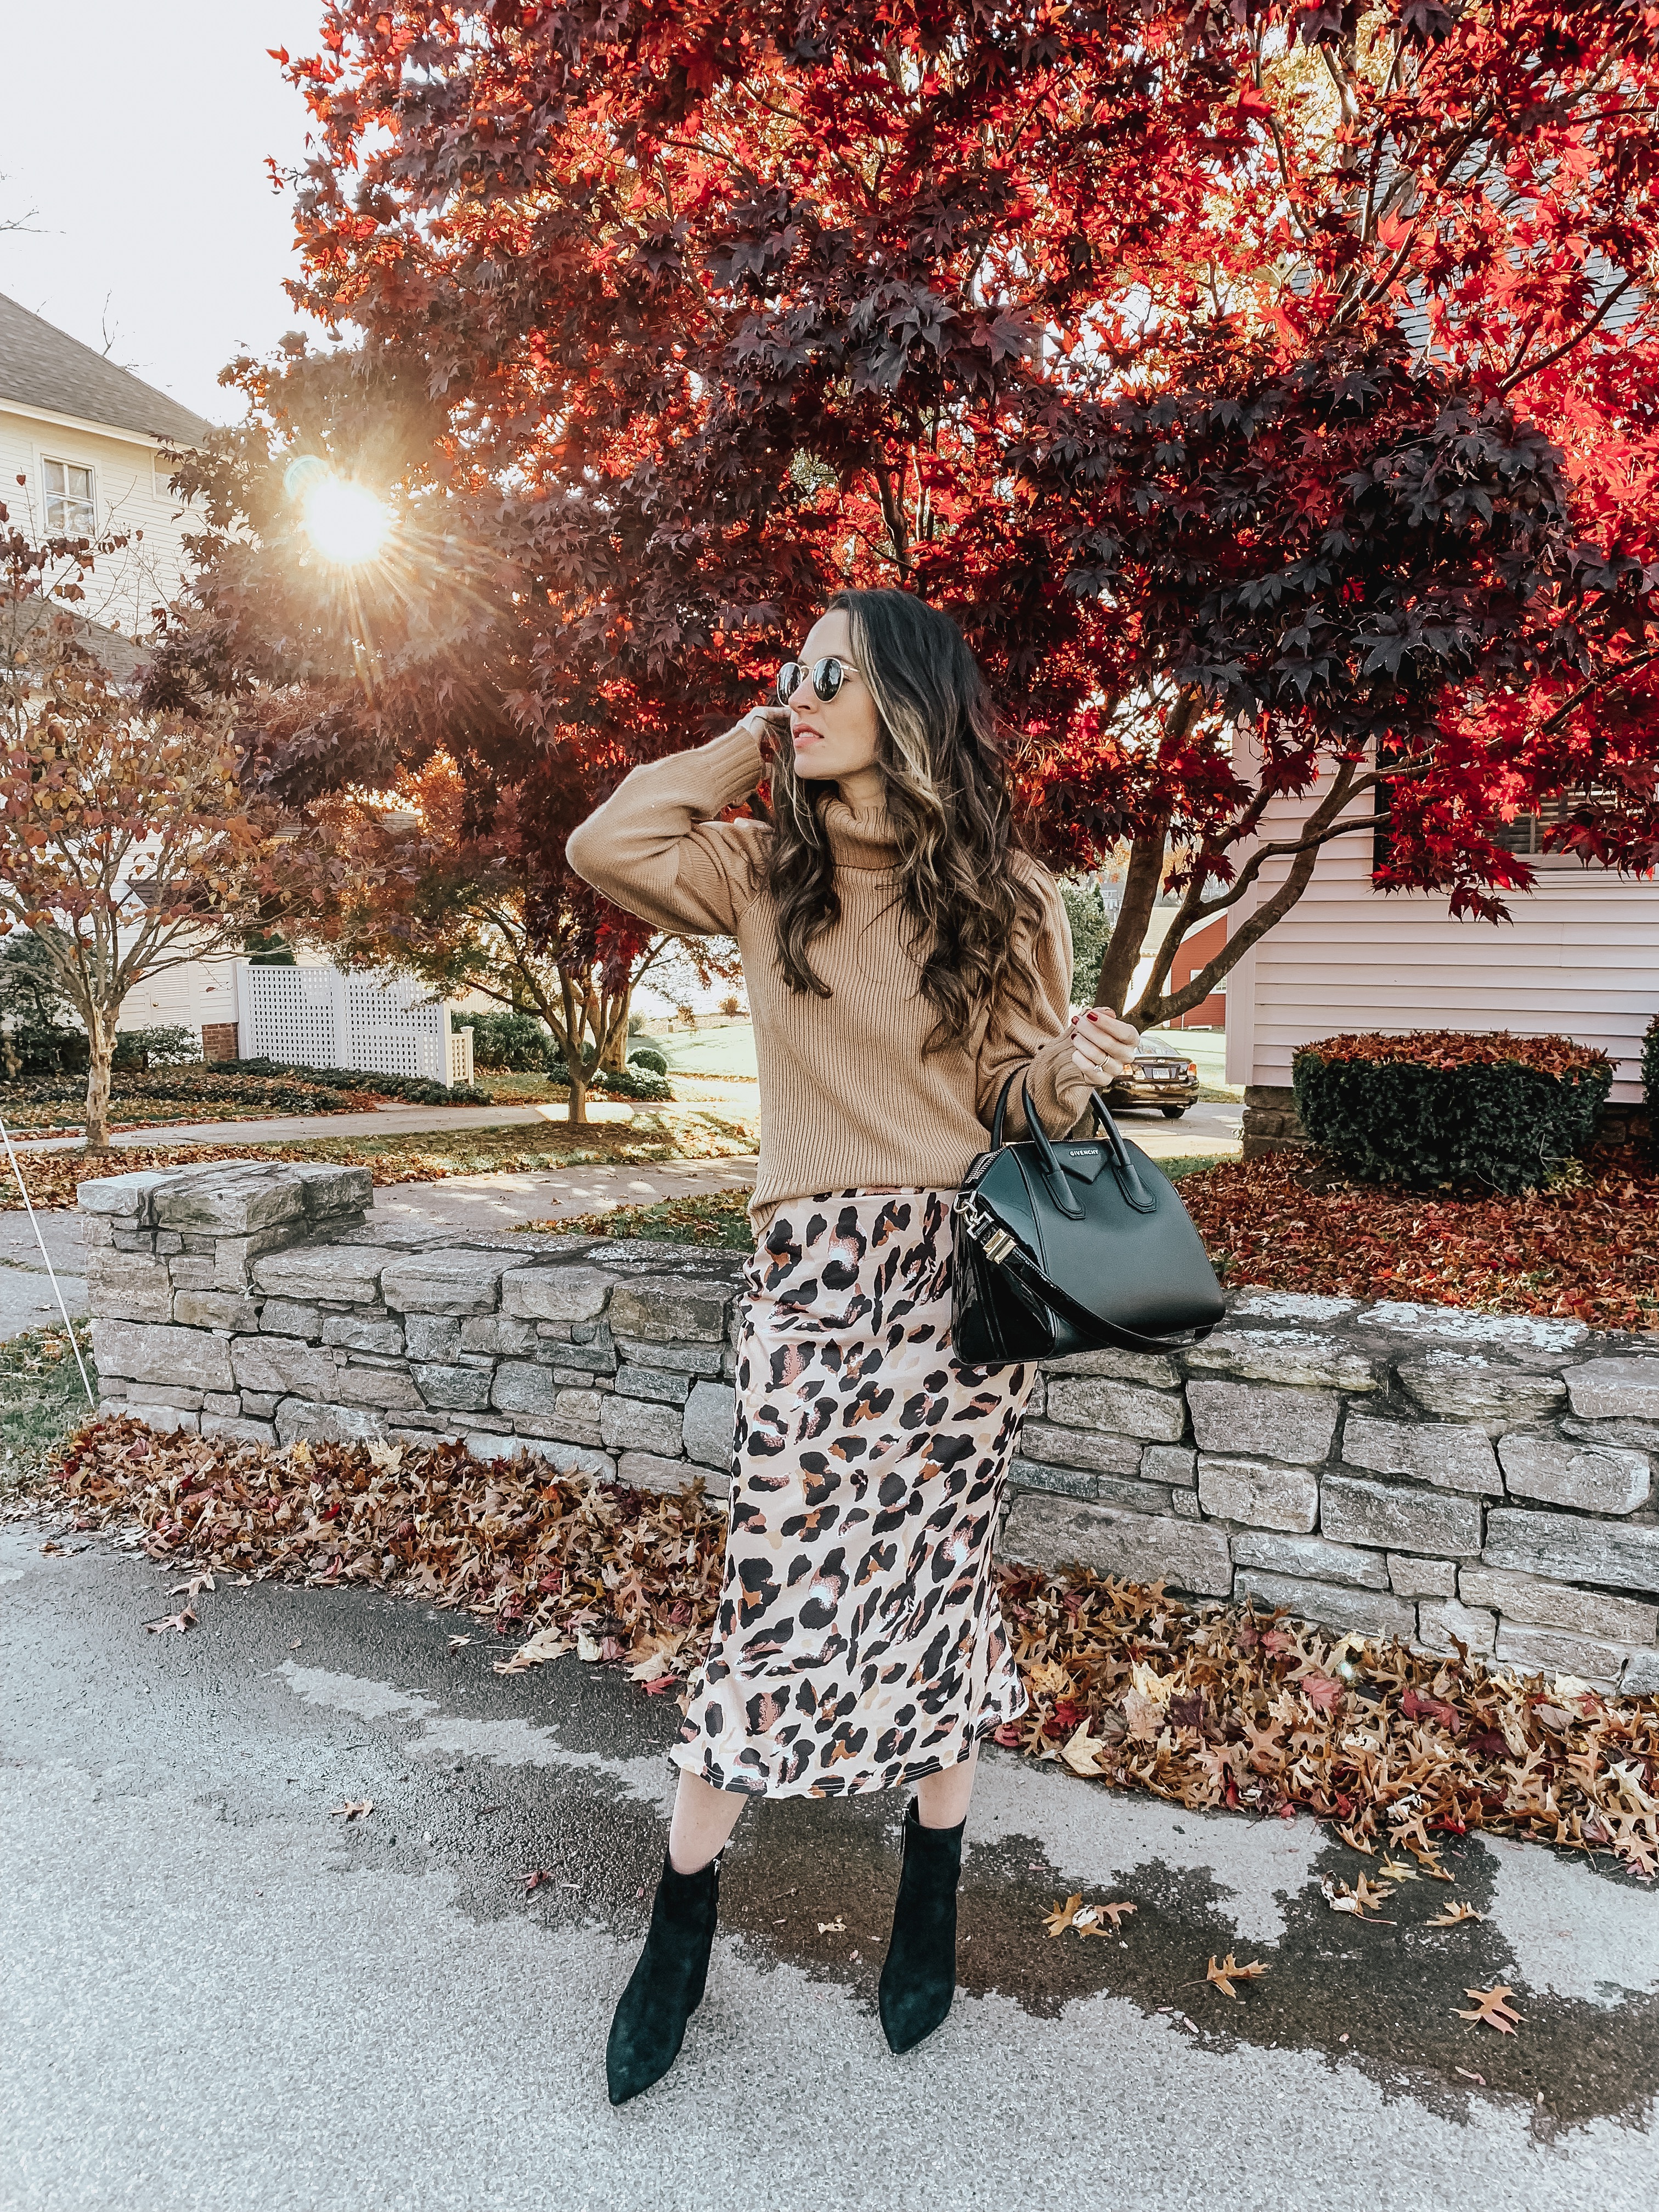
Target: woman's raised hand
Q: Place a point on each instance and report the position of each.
(1103, 1047)
(766, 724)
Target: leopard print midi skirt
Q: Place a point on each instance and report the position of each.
(859, 1644)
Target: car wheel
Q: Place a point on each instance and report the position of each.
(1172, 1112)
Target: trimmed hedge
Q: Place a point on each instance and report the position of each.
(41, 1050)
(1440, 1107)
(648, 1056)
(414, 1089)
(519, 1043)
(641, 1083)
(267, 1085)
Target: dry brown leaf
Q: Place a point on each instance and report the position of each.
(1457, 1911)
(1100, 1919)
(1229, 1971)
(1080, 1751)
(1360, 1902)
(1060, 1916)
(546, 1643)
(1492, 2007)
(835, 1927)
(182, 1622)
(355, 1809)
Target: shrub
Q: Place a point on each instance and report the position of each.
(1650, 1082)
(1091, 929)
(168, 1046)
(633, 1082)
(414, 1089)
(1439, 1107)
(641, 1083)
(647, 1055)
(516, 1041)
(42, 1049)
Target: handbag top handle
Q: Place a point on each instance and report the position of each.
(1123, 1167)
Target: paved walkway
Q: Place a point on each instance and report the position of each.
(384, 1122)
(1205, 1127)
(221, 1995)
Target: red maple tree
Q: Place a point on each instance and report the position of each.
(1265, 389)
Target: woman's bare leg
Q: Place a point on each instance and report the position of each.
(703, 1818)
(942, 1799)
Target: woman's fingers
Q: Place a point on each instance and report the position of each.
(1102, 1044)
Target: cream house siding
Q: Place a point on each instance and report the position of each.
(194, 993)
(124, 586)
(1580, 958)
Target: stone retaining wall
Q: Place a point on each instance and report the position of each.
(1397, 1470)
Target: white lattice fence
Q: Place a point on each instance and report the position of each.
(320, 1017)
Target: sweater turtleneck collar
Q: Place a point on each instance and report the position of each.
(859, 837)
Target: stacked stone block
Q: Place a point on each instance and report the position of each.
(254, 1300)
(1419, 1472)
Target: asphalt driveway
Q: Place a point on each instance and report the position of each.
(222, 1992)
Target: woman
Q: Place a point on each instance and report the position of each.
(904, 955)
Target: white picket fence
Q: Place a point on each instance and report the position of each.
(320, 1017)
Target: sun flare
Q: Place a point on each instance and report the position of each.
(345, 521)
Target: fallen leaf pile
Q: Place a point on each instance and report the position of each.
(1588, 1250)
(1203, 1705)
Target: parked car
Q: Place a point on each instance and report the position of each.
(1157, 1079)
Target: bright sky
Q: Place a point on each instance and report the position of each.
(138, 132)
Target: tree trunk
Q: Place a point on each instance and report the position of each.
(577, 1110)
(616, 1051)
(100, 1040)
(1141, 883)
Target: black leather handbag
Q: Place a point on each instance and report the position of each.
(1072, 1246)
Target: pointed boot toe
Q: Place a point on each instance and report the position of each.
(919, 1979)
(666, 1986)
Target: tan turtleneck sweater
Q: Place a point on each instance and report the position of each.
(848, 1101)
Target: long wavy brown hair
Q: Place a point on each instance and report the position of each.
(947, 799)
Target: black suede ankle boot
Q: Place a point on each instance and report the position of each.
(666, 1986)
(919, 1976)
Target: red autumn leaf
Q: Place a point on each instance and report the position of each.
(1418, 1706)
(1323, 1690)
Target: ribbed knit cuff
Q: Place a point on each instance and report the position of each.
(1059, 1092)
(729, 768)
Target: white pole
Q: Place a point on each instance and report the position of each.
(68, 1325)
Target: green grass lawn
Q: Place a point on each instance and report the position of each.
(41, 1400)
(722, 1218)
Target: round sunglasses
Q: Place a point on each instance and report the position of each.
(828, 676)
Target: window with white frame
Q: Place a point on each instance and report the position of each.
(164, 465)
(69, 509)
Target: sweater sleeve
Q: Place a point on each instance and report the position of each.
(654, 847)
(1032, 1041)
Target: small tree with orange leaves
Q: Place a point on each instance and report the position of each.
(446, 880)
(125, 846)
